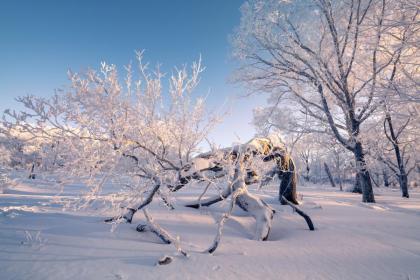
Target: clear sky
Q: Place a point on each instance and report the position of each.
(40, 40)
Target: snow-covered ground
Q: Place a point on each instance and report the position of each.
(352, 240)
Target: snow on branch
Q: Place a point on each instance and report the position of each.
(108, 130)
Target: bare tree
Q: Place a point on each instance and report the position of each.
(306, 157)
(330, 177)
(325, 58)
(393, 136)
(396, 151)
(120, 130)
(398, 87)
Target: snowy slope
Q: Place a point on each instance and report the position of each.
(352, 240)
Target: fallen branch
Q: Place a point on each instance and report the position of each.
(128, 217)
(211, 200)
(165, 260)
(300, 212)
(144, 228)
(162, 233)
(262, 213)
(165, 200)
(222, 221)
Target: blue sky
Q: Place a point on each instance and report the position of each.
(40, 40)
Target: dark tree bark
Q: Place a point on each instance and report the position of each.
(288, 183)
(32, 173)
(363, 182)
(301, 213)
(330, 177)
(128, 216)
(144, 227)
(307, 173)
(386, 178)
(393, 138)
(363, 176)
(403, 180)
(211, 200)
(357, 188)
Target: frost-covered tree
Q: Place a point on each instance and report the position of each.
(311, 147)
(323, 61)
(128, 132)
(19, 151)
(394, 141)
(401, 81)
(104, 128)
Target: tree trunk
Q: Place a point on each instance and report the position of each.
(340, 181)
(386, 178)
(357, 187)
(327, 170)
(307, 173)
(288, 183)
(308, 169)
(337, 167)
(403, 182)
(363, 177)
(32, 172)
(393, 138)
